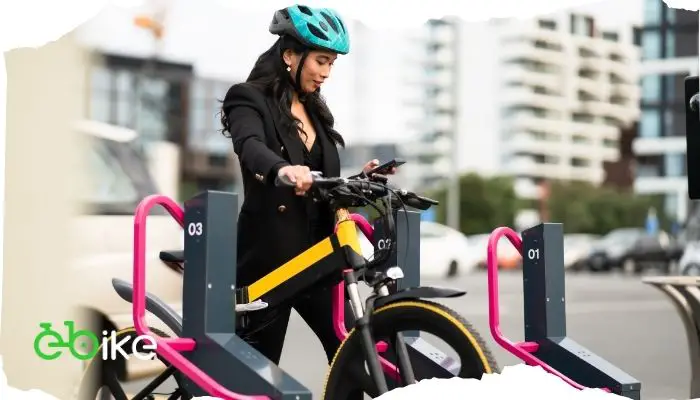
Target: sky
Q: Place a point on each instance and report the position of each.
(615, 12)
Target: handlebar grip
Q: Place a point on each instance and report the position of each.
(428, 200)
(284, 181)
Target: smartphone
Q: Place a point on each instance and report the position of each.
(386, 167)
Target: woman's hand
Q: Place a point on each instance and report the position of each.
(299, 174)
(374, 164)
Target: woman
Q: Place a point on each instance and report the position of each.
(280, 125)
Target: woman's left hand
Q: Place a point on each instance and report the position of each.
(374, 164)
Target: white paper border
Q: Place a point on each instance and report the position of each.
(22, 26)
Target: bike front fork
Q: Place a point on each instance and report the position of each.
(362, 322)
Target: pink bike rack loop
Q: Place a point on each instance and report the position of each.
(169, 349)
(522, 350)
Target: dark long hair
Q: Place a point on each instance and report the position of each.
(271, 76)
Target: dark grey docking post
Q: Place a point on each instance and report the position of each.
(209, 299)
(545, 316)
(427, 360)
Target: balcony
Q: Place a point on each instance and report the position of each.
(659, 145)
(526, 96)
(601, 109)
(622, 71)
(590, 174)
(626, 90)
(531, 122)
(531, 77)
(524, 165)
(443, 123)
(527, 51)
(659, 184)
(442, 78)
(592, 63)
(524, 142)
(591, 86)
(444, 101)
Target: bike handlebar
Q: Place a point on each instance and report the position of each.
(364, 185)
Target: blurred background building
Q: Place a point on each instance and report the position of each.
(550, 98)
(669, 42)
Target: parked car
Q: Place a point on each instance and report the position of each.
(577, 246)
(508, 255)
(689, 263)
(443, 251)
(632, 250)
(119, 179)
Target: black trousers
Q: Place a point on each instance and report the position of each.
(266, 330)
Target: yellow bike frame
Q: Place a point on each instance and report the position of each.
(311, 265)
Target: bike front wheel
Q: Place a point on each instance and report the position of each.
(348, 377)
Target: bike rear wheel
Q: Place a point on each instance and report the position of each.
(348, 378)
(102, 379)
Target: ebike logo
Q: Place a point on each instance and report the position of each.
(84, 344)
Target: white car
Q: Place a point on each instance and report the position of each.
(689, 264)
(577, 246)
(119, 180)
(444, 252)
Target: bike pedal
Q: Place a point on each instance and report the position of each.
(254, 306)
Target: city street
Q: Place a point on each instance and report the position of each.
(619, 318)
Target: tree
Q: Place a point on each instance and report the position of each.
(586, 208)
(485, 203)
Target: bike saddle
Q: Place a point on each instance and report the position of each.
(172, 256)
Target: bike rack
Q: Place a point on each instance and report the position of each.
(546, 343)
(209, 341)
(210, 356)
(684, 293)
(426, 359)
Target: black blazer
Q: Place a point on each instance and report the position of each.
(273, 226)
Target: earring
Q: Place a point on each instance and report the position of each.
(289, 68)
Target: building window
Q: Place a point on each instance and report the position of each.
(611, 36)
(674, 165)
(651, 45)
(652, 12)
(670, 39)
(650, 123)
(548, 24)
(670, 15)
(651, 88)
(648, 166)
(671, 204)
(205, 122)
(670, 86)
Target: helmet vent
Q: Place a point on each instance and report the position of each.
(330, 22)
(317, 32)
(306, 10)
(323, 26)
(341, 25)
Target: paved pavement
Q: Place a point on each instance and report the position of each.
(626, 322)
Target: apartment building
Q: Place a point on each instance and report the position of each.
(565, 88)
(669, 42)
(433, 148)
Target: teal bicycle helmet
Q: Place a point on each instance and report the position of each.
(320, 28)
